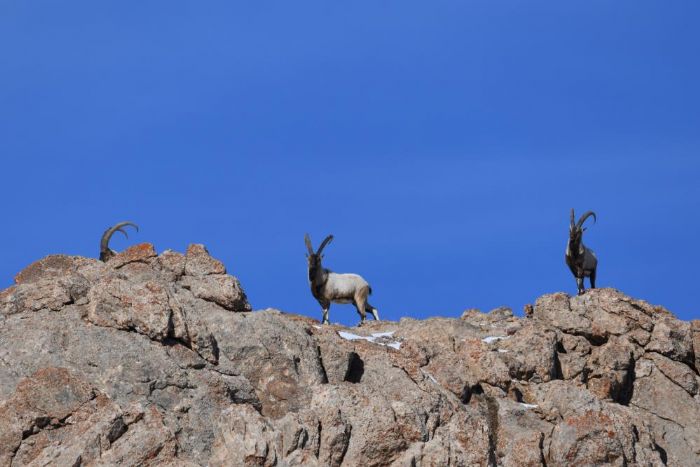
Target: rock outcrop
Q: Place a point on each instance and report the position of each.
(157, 360)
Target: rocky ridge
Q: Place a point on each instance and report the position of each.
(156, 359)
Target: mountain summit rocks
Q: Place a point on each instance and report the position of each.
(156, 359)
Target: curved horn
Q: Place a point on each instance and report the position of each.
(325, 242)
(104, 241)
(585, 216)
(573, 218)
(307, 240)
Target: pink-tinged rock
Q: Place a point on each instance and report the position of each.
(147, 306)
(573, 357)
(224, 290)
(597, 314)
(147, 442)
(671, 412)
(530, 354)
(673, 339)
(695, 326)
(172, 265)
(143, 252)
(520, 434)
(680, 374)
(52, 295)
(592, 437)
(555, 310)
(56, 418)
(484, 364)
(610, 370)
(656, 392)
(142, 306)
(244, 438)
(50, 283)
(52, 267)
(200, 263)
(160, 372)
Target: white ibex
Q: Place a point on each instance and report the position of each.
(327, 286)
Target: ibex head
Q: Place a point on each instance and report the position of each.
(105, 252)
(314, 259)
(576, 229)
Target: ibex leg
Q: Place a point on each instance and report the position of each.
(360, 305)
(325, 315)
(372, 310)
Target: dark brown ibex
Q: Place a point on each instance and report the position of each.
(580, 259)
(328, 286)
(105, 252)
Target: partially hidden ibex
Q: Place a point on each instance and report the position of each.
(328, 286)
(105, 252)
(580, 259)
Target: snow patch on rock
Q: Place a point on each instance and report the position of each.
(375, 338)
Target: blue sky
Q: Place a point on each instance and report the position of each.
(442, 143)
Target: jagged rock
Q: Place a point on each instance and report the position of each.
(56, 418)
(601, 437)
(475, 316)
(141, 253)
(672, 412)
(572, 354)
(50, 283)
(141, 306)
(673, 339)
(521, 434)
(223, 290)
(141, 361)
(680, 374)
(695, 327)
(244, 437)
(199, 263)
(609, 370)
(531, 354)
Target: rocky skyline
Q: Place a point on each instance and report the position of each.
(157, 359)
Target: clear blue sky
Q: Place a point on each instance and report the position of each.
(442, 143)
